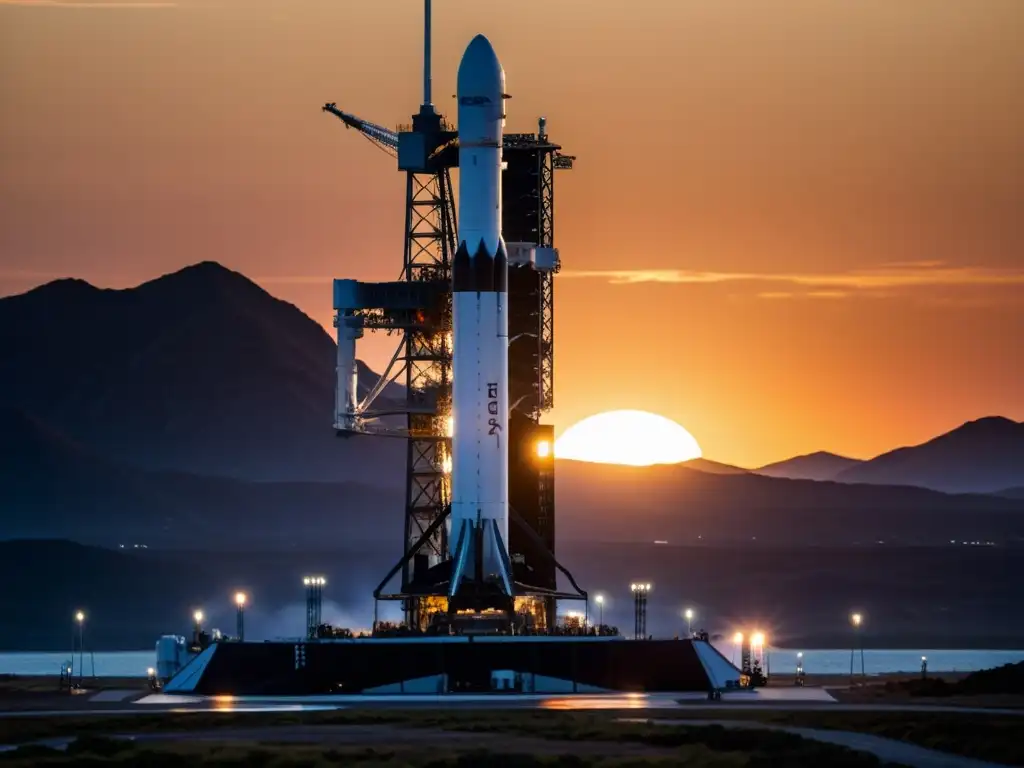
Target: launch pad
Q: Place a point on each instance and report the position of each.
(453, 665)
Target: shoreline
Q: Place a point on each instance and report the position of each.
(961, 645)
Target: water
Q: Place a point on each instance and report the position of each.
(106, 663)
(782, 661)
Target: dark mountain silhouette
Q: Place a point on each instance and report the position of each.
(146, 415)
(713, 467)
(670, 502)
(1012, 493)
(821, 465)
(199, 371)
(50, 486)
(980, 456)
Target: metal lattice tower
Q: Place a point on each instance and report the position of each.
(429, 247)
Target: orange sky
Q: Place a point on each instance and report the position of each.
(792, 226)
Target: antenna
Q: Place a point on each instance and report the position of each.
(426, 53)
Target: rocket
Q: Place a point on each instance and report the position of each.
(479, 500)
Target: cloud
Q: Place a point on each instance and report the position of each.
(836, 285)
(89, 3)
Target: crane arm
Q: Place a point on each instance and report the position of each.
(384, 138)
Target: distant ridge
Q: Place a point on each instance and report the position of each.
(982, 456)
(198, 371)
(673, 502)
(821, 465)
(50, 486)
(714, 467)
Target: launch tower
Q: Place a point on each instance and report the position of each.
(419, 305)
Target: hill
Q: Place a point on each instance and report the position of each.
(713, 467)
(1012, 493)
(821, 465)
(980, 456)
(671, 502)
(51, 486)
(200, 371)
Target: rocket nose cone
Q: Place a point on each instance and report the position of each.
(480, 72)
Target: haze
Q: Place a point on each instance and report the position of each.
(792, 226)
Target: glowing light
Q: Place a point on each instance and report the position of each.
(757, 639)
(688, 614)
(600, 599)
(150, 672)
(240, 599)
(738, 638)
(543, 449)
(446, 465)
(856, 619)
(636, 438)
(450, 426)
(198, 616)
(79, 617)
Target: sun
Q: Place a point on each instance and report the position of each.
(637, 438)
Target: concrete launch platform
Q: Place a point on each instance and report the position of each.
(494, 665)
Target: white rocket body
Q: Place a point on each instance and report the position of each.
(479, 515)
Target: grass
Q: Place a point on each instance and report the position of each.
(698, 747)
(995, 738)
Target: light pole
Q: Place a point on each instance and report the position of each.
(640, 592)
(688, 613)
(197, 626)
(600, 612)
(80, 620)
(737, 643)
(856, 620)
(314, 604)
(240, 599)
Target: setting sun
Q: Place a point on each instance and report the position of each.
(637, 438)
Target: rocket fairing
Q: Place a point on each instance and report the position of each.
(479, 513)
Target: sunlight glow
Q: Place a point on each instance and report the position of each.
(636, 438)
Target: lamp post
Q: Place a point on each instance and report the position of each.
(240, 600)
(737, 643)
(80, 621)
(600, 612)
(314, 604)
(924, 667)
(640, 592)
(856, 620)
(688, 613)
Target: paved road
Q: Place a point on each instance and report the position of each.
(652, 703)
(883, 748)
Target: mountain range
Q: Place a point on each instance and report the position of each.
(200, 371)
(196, 407)
(982, 456)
